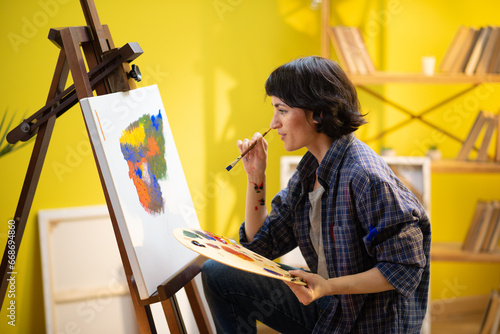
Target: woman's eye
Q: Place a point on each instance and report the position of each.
(282, 111)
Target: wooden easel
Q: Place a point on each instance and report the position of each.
(110, 72)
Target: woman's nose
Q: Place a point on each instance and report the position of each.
(275, 123)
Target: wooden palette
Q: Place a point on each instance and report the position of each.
(228, 252)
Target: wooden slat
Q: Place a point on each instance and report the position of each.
(66, 296)
(451, 251)
(454, 166)
(420, 78)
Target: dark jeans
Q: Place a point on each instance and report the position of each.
(238, 298)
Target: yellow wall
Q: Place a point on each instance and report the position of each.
(210, 60)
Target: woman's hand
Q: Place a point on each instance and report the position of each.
(316, 287)
(370, 281)
(255, 162)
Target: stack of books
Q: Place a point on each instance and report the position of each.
(491, 319)
(484, 231)
(486, 123)
(473, 51)
(351, 50)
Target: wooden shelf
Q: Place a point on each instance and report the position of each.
(452, 251)
(379, 78)
(458, 314)
(455, 166)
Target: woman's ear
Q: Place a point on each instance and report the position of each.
(316, 117)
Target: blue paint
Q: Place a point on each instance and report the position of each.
(131, 154)
(138, 172)
(156, 120)
(206, 236)
(272, 272)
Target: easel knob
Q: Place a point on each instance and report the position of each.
(25, 127)
(135, 73)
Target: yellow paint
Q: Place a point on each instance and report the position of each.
(187, 46)
(134, 137)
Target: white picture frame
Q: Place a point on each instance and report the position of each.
(84, 284)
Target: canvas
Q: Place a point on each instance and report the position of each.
(142, 171)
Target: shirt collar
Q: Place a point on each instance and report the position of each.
(330, 163)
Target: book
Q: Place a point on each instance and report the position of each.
(355, 50)
(465, 50)
(338, 49)
(493, 233)
(489, 50)
(344, 48)
(363, 51)
(494, 65)
(228, 252)
(491, 314)
(476, 220)
(496, 321)
(351, 50)
(497, 151)
(482, 228)
(491, 125)
(477, 50)
(472, 136)
(453, 50)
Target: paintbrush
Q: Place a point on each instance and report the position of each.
(245, 152)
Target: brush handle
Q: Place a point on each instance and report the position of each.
(252, 146)
(245, 152)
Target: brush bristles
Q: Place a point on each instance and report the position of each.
(233, 164)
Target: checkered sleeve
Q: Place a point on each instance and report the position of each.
(391, 217)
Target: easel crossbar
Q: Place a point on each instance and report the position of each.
(68, 98)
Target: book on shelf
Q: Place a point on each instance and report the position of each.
(486, 122)
(490, 49)
(474, 225)
(492, 124)
(345, 49)
(363, 51)
(484, 231)
(494, 64)
(468, 144)
(351, 50)
(451, 54)
(477, 50)
(465, 51)
(497, 151)
(473, 51)
(493, 233)
(491, 319)
(333, 33)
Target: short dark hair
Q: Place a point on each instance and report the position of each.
(319, 85)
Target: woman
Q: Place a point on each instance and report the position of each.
(363, 234)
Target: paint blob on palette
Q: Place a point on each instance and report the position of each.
(228, 252)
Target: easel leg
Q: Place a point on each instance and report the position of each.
(173, 315)
(32, 176)
(196, 303)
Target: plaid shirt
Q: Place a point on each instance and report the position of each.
(369, 219)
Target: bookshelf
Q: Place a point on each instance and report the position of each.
(467, 78)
